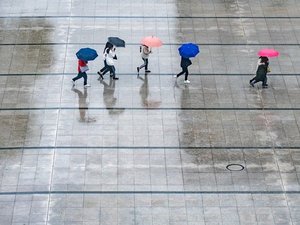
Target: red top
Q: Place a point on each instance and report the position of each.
(81, 63)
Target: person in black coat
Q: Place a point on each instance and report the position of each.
(185, 63)
(261, 72)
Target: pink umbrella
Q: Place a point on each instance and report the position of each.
(151, 41)
(268, 52)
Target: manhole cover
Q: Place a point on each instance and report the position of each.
(235, 167)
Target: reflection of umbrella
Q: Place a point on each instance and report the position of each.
(268, 52)
(188, 50)
(87, 54)
(116, 41)
(151, 41)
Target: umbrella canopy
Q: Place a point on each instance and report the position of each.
(151, 41)
(188, 50)
(268, 52)
(118, 42)
(87, 54)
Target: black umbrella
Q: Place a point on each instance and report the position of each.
(118, 42)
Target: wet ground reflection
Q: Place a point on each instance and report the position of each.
(109, 98)
(83, 105)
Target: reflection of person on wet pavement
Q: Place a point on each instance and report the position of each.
(108, 93)
(144, 91)
(108, 97)
(82, 104)
(187, 136)
(185, 101)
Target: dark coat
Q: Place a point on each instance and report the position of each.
(185, 62)
(261, 72)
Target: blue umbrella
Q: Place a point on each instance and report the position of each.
(188, 50)
(87, 54)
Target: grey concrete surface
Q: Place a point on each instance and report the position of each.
(149, 150)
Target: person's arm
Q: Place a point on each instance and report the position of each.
(112, 53)
(146, 51)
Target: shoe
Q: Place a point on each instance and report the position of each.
(100, 74)
(138, 69)
(87, 85)
(175, 76)
(73, 83)
(147, 71)
(116, 78)
(186, 81)
(251, 83)
(265, 86)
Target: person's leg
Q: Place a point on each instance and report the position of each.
(186, 73)
(265, 82)
(179, 74)
(104, 68)
(79, 75)
(84, 75)
(146, 66)
(113, 72)
(141, 66)
(253, 81)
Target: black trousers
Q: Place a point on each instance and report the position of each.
(254, 81)
(80, 74)
(107, 68)
(184, 70)
(104, 68)
(145, 64)
(112, 70)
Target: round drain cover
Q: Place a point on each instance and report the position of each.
(235, 167)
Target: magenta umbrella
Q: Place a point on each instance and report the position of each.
(268, 52)
(151, 41)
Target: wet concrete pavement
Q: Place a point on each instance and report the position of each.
(149, 150)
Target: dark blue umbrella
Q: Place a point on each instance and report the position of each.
(87, 54)
(118, 42)
(188, 50)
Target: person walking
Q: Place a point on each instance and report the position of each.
(185, 63)
(110, 56)
(82, 68)
(262, 69)
(145, 52)
(104, 69)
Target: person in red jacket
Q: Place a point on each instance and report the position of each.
(82, 68)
